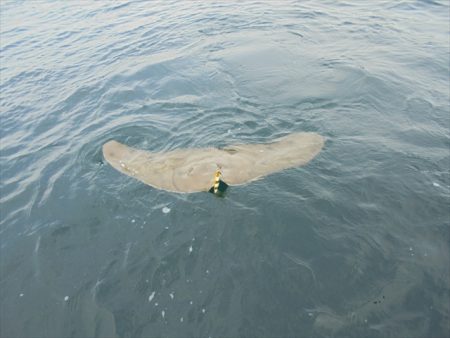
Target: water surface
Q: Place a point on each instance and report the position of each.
(355, 244)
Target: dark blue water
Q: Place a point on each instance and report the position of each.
(355, 244)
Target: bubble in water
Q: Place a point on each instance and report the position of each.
(166, 210)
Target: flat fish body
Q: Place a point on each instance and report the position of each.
(192, 170)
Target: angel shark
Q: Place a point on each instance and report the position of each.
(212, 169)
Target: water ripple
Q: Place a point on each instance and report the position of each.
(352, 244)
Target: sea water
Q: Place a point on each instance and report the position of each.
(355, 244)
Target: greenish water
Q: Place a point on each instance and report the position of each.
(355, 244)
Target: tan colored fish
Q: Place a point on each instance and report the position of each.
(198, 169)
